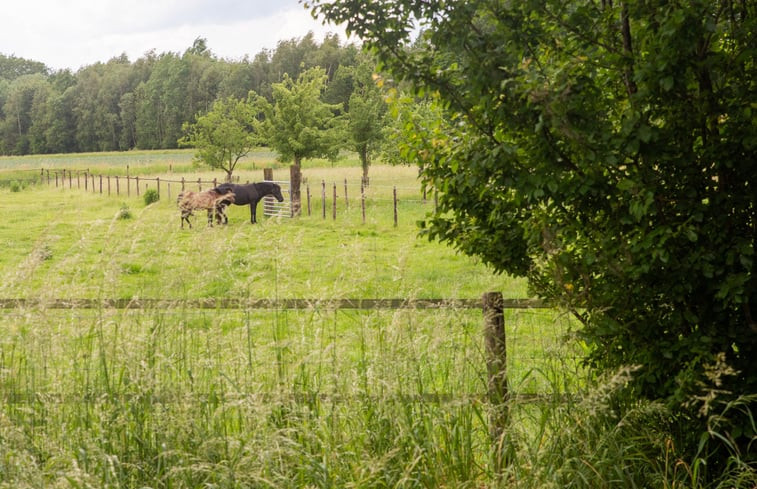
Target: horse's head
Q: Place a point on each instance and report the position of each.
(276, 191)
(228, 198)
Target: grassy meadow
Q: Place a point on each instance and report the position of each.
(319, 397)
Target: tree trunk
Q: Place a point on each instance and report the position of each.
(295, 177)
(366, 163)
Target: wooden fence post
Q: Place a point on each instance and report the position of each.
(395, 206)
(346, 200)
(137, 179)
(157, 184)
(101, 184)
(323, 198)
(333, 212)
(307, 189)
(496, 367)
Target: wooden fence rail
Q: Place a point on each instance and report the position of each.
(232, 303)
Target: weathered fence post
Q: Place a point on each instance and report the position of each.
(157, 184)
(101, 184)
(496, 367)
(182, 184)
(323, 198)
(333, 206)
(307, 189)
(395, 206)
(137, 180)
(346, 200)
(108, 184)
(199, 185)
(128, 184)
(86, 181)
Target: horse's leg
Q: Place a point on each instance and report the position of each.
(253, 211)
(185, 217)
(211, 216)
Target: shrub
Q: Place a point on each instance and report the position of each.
(124, 212)
(151, 195)
(16, 186)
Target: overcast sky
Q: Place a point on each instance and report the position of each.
(76, 33)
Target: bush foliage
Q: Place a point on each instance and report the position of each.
(604, 150)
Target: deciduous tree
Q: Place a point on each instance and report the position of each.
(606, 151)
(298, 125)
(224, 135)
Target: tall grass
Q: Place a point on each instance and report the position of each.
(185, 398)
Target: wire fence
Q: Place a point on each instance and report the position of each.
(281, 337)
(326, 196)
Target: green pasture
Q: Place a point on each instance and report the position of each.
(186, 397)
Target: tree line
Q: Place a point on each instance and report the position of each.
(145, 104)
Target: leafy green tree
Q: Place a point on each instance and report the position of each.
(24, 113)
(12, 67)
(408, 118)
(366, 112)
(606, 151)
(161, 103)
(224, 135)
(60, 134)
(298, 125)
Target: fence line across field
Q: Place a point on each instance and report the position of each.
(491, 304)
(107, 184)
(294, 303)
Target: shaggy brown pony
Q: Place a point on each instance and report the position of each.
(215, 202)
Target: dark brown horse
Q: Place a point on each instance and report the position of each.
(251, 194)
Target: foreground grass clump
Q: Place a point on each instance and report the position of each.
(186, 398)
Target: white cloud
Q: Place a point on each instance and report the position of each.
(82, 32)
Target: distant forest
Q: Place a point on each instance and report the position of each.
(123, 104)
